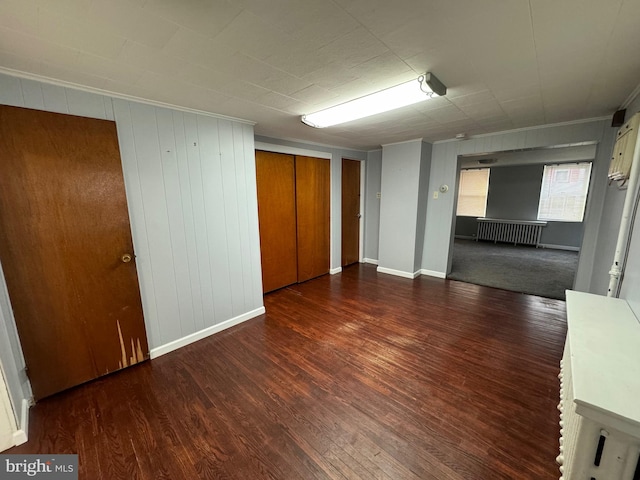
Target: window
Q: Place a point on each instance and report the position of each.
(563, 195)
(472, 192)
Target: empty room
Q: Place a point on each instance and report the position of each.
(231, 239)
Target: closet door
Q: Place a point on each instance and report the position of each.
(275, 177)
(312, 205)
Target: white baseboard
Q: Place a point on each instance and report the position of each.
(398, 273)
(433, 273)
(559, 247)
(194, 337)
(20, 436)
(333, 271)
(372, 261)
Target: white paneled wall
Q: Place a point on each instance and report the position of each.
(190, 182)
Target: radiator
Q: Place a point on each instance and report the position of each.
(510, 231)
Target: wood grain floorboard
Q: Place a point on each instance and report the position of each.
(355, 376)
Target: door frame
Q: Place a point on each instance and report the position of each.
(334, 260)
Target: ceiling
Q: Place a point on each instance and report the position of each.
(507, 63)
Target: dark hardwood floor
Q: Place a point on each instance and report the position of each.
(354, 376)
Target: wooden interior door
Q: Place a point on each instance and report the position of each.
(64, 234)
(275, 177)
(350, 212)
(312, 216)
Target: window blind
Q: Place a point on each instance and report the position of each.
(472, 192)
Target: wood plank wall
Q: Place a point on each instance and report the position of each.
(191, 192)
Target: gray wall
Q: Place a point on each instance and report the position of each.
(190, 183)
(398, 206)
(514, 194)
(423, 198)
(337, 154)
(440, 213)
(373, 185)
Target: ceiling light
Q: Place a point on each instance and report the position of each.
(422, 88)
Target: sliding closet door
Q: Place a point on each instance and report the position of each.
(275, 177)
(312, 204)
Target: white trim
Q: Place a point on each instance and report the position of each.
(362, 193)
(333, 271)
(194, 337)
(122, 96)
(524, 129)
(421, 139)
(307, 142)
(21, 436)
(398, 273)
(372, 261)
(559, 247)
(272, 147)
(632, 96)
(433, 273)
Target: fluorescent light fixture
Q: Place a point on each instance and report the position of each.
(417, 90)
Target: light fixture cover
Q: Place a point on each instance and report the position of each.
(417, 90)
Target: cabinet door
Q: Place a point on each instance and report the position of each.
(312, 205)
(275, 177)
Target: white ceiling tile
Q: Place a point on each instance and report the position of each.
(70, 75)
(517, 91)
(99, 67)
(387, 65)
(313, 94)
(131, 22)
(504, 63)
(281, 102)
(251, 35)
(151, 59)
(18, 62)
(35, 48)
(207, 17)
(353, 48)
(383, 17)
(477, 97)
(19, 16)
(76, 32)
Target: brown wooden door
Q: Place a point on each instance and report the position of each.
(275, 177)
(350, 212)
(64, 228)
(312, 208)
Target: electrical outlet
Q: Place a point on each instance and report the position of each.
(435, 194)
(378, 195)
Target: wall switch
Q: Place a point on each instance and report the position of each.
(435, 194)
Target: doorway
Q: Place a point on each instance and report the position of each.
(66, 248)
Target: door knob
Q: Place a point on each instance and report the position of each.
(359, 215)
(126, 258)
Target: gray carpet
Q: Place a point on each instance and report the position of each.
(536, 271)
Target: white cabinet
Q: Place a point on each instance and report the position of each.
(600, 391)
